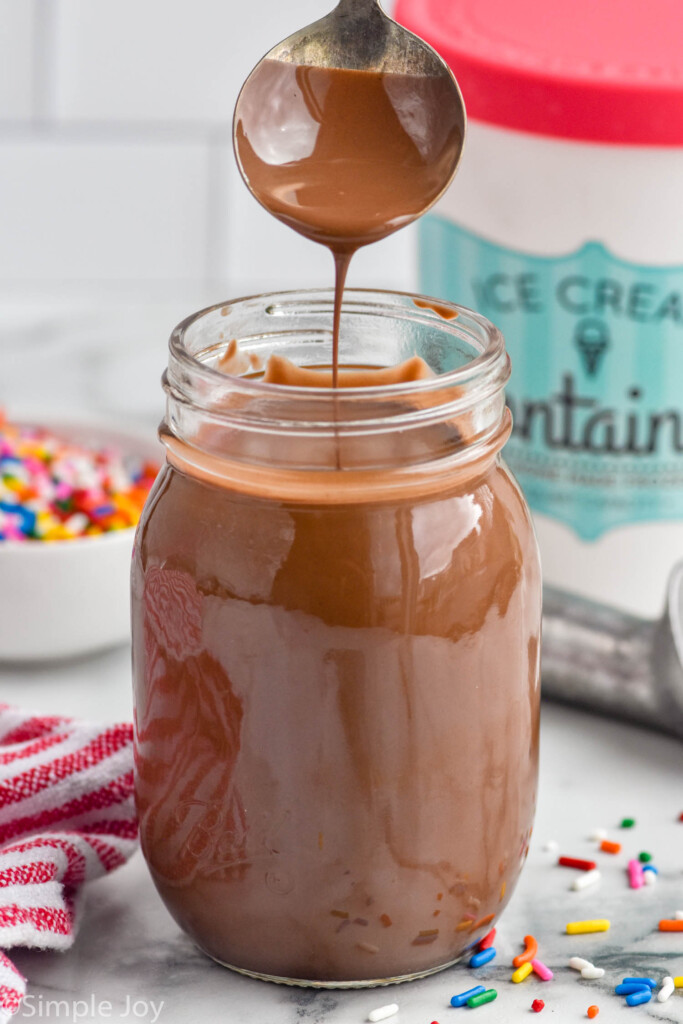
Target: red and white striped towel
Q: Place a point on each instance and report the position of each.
(66, 816)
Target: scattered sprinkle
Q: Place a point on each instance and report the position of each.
(635, 874)
(586, 879)
(586, 927)
(636, 998)
(522, 972)
(666, 990)
(649, 982)
(609, 847)
(552, 846)
(650, 877)
(679, 915)
(650, 869)
(486, 997)
(537, 1005)
(627, 822)
(598, 834)
(544, 973)
(592, 973)
(488, 940)
(577, 862)
(678, 981)
(628, 986)
(382, 1012)
(462, 997)
(483, 957)
(644, 857)
(529, 953)
(592, 1011)
(577, 963)
(671, 926)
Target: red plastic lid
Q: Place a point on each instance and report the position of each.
(597, 70)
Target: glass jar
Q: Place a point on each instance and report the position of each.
(336, 617)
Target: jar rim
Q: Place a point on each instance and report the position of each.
(456, 413)
(426, 308)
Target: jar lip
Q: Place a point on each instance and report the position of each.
(425, 309)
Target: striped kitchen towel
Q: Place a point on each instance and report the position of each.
(66, 816)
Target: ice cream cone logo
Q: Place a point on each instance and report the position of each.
(591, 337)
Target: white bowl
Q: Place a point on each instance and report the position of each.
(70, 597)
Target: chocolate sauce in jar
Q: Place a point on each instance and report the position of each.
(337, 722)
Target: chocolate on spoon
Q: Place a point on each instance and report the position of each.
(349, 129)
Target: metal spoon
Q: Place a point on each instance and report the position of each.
(277, 122)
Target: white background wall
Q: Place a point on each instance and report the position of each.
(121, 209)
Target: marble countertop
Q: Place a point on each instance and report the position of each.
(130, 961)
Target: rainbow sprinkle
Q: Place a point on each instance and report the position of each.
(53, 489)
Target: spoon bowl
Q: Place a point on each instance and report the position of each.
(350, 128)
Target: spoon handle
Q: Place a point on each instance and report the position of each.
(357, 8)
(360, 35)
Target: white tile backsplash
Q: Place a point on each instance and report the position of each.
(79, 210)
(171, 60)
(17, 38)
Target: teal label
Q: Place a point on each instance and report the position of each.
(596, 392)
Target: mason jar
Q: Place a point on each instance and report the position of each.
(336, 616)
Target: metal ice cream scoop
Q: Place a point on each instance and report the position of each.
(601, 658)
